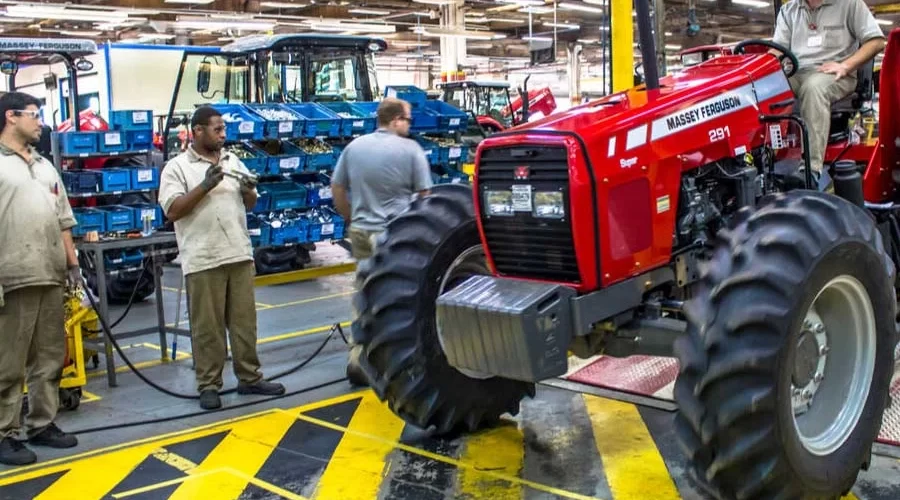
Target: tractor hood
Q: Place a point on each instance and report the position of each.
(638, 106)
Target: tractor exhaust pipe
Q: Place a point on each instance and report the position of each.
(648, 47)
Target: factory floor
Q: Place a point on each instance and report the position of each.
(339, 442)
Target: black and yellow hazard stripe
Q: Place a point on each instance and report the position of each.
(563, 445)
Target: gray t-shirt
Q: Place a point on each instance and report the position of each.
(833, 31)
(382, 171)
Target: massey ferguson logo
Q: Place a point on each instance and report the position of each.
(522, 172)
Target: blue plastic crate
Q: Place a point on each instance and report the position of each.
(260, 232)
(115, 179)
(332, 225)
(131, 120)
(278, 129)
(319, 120)
(415, 96)
(453, 177)
(290, 230)
(313, 193)
(263, 202)
(78, 143)
(314, 230)
(257, 162)
(431, 148)
(144, 177)
(82, 181)
(456, 154)
(112, 141)
(118, 218)
(284, 195)
(120, 259)
(315, 161)
(139, 140)
(424, 121)
(450, 118)
(240, 123)
(354, 120)
(89, 219)
(141, 209)
(290, 158)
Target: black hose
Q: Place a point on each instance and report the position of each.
(109, 335)
(137, 285)
(206, 412)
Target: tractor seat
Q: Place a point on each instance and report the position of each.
(843, 110)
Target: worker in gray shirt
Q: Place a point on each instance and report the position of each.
(831, 39)
(376, 178)
(377, 175)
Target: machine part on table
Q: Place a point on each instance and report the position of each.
(402, 357)
(313, 146)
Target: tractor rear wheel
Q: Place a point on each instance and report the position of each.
(786, 363)
(424, 252)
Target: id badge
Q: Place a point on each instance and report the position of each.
(814, 41)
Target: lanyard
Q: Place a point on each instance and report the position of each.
(812, 24)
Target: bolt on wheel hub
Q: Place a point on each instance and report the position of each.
(810, 361)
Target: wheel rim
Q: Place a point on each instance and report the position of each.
(471, 262)
(833, 365)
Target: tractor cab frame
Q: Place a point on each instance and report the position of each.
(488, 101)
(276, 69)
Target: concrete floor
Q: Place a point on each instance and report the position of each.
(338, 442)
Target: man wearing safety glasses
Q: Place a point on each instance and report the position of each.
(37, 255)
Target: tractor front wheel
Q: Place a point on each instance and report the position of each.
(786, 363)
(424, 252)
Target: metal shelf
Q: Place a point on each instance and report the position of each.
(109, 193)
(105, 155)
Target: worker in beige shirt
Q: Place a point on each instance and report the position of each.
(209, 211)
(831, 39)
(36, 248)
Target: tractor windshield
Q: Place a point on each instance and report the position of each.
(210, 79)
(321, 77)
(481, 100)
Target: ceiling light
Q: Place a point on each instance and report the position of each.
(537, 38)
(563, 25)
(372, 28)
(536, 10)
(752, 3)
(411, 44)
(282, 5)
(884, 22)
(523, 2)
(202, 23)
(670, 46)
(579, 7)
(196, 2)
(505, 20)
(80, 33)
(48, 12)
(146, 37)
(372, 12)
(439, 32)
(435, 2)
(668, 33)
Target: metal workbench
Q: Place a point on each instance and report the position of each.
(152, 246)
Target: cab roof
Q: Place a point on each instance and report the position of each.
(254, 43)
(44, 50)
(475, 83)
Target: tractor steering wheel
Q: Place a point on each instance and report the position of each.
(793, 64)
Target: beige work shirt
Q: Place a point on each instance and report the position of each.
(34, 211)
(215, 232)
(833, 31)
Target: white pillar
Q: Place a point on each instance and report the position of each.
(573, 70)
(453, 48)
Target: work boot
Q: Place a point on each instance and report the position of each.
(262, 387)
(14, 452)
(53, 437)
(209, 399)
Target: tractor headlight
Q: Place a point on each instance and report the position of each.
(549, 204)
(498, 203)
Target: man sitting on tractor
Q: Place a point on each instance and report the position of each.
(831, 39)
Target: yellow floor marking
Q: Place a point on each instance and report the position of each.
(301, 333)
(245, 449)
(359, 465)
(174, 459)
(143, 364)
(87, 397)
(96, 476)
(42, 468)
(262, 307)
(501, 450)
(312, 299)
(435, 456)
(632, 463)
(223, 472)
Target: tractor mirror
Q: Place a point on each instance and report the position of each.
(84, 65)
(9, 67)
(203, 77)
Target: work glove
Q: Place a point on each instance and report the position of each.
(74, 277)
(214, 176)
(248, 184)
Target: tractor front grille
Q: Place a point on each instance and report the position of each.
(523, 245)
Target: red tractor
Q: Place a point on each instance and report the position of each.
(653, 221)
(489, 102)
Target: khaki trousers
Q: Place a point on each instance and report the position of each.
(362, 245)
(816, 92)
(222, 298)
(33, 337)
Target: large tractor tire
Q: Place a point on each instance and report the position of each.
(422, 253)
(786, 362)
